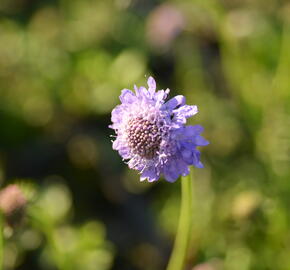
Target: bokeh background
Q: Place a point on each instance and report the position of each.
(63, 64)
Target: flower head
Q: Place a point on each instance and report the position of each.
(152, 136)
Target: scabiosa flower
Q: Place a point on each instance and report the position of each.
(152, 136)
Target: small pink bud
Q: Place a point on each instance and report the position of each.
(12, 204)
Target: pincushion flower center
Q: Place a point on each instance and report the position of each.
(144, 137)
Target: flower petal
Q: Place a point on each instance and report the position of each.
(124, 152)
(116, 144)
(187, 156)
(182, 167)
(171, 104)
(117, 114)
(199, 140)
(141, 92)
(160, 96)
(196, 159)
(193, 130)
(150, 174)
(170, 171)
(151, 86)
(127, 96)
(186, 111)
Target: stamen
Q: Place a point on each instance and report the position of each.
(144, 136)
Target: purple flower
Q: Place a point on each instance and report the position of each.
(152, 136)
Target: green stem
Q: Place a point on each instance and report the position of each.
(179, 252)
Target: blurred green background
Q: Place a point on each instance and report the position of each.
(63, 64)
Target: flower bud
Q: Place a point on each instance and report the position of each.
(12, 204)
